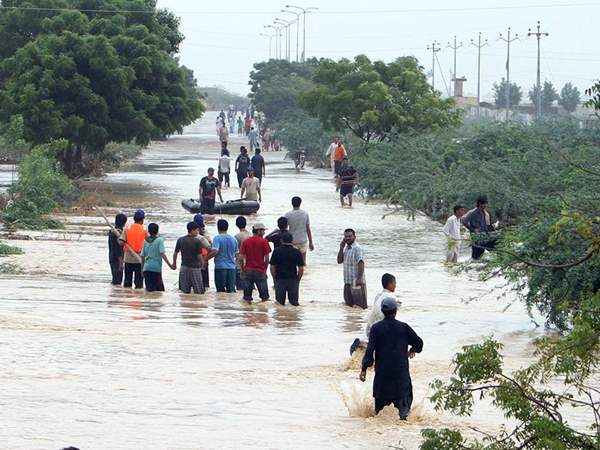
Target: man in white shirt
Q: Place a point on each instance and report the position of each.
(331, 153)
(452, 231)
(251, 187)
(299, 227)
(388, 282)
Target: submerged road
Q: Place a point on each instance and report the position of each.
(99, 367)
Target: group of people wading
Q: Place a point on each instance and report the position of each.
(242, 262)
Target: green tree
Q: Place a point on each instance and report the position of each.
(375, 100)
(217, 98)
(549, 257)
(92, 78)
(549, 96)
(500, 90)
(276, 85)
(569, 97)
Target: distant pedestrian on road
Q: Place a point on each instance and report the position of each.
(240, 125)
(391, 344)
(287, 268)
(243, 234)
(352, 257)
(190, 275)
(258, 164)
(254, 256)
(134, 235)
(338, 157)
(252, 139)
(225, 259)
(452, 231)
(330, 153)
(153, 254)
(223, 134)
(224, 167)
(115, 250)
(299, 226)
(251, 187)
(242, 164)
(347, 179)
(275, 236)
(478, 222)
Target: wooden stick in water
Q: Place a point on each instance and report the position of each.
(116, 232)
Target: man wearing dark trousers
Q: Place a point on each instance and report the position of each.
(254, 260)
(389, 341)
(287, 268)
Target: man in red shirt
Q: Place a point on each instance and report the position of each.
(254, 260)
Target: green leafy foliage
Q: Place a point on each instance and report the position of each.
(501, 89)
(41, 188)
(569, 97)
(276, 86)
(375, 100)
(92, 78)
(10, 269)
(7, 250)
(217, 98)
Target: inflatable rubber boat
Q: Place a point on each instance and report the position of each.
(236, 207)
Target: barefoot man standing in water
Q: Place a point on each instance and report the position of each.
(389, 340)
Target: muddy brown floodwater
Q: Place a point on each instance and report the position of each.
(99, 367)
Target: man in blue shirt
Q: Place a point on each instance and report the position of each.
(225, 267)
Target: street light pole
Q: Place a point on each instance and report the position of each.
(538, 34)
(297, 14)
(508, 40)
(479, 45)
(286, 24)
(277, 40)
(270, 36)
(304, 12)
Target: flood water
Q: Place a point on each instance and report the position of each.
(99, 367)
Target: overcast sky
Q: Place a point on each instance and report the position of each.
(223, 41)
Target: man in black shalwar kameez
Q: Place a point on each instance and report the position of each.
(389, 339)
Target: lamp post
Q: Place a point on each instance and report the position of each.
(479, 45)
(277, 40)
(297, 14)
(304, 12)
(286, 24)
(270, 36)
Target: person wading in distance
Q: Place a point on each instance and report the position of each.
(352, 257)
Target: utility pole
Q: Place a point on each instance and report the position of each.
(297, 14)
(479, 45)
(508, 40)
(270, 36)
(454, 47)
(538, 34)
(434, 47)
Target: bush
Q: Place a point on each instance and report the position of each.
(40, 189)
(6, 250)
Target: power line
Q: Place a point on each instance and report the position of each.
(338, 12)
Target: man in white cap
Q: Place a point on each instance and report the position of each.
(388, 348)
(254, 260)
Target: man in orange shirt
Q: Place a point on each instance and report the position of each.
(134, 236)
(340, 154)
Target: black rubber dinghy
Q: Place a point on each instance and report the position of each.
(235, 207)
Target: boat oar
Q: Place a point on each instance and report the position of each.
(116, 233)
